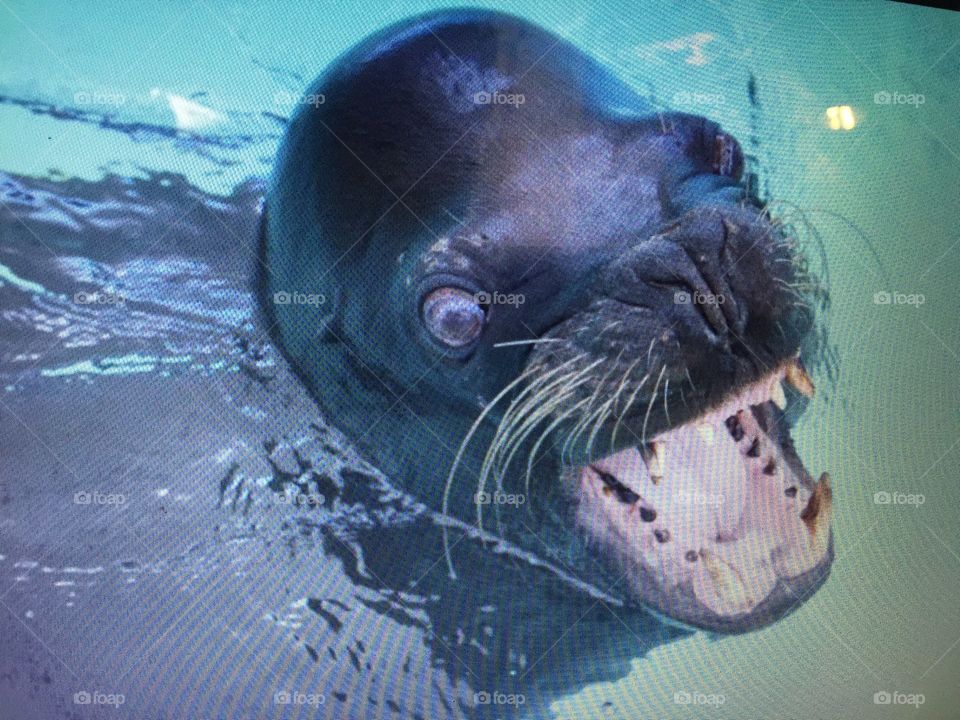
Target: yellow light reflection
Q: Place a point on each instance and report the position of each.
(841, 117)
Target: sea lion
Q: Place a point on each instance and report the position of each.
(531, 284)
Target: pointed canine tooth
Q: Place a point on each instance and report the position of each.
(707, 433)
(657, 458)
(818, 512)
(776, 394)
(653, 456)
(799, 380)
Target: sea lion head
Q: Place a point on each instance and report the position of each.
(529, 281)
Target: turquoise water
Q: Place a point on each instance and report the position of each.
(882, 196)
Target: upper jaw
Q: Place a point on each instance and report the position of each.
(715, 523)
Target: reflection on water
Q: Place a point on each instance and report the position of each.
(179, 472)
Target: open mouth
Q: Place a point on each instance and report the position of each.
(714, 522)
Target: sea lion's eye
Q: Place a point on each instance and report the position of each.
(453, 316)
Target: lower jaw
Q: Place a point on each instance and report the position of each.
(711, 519)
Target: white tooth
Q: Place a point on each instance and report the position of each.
(818, 513)
(776, 394)
(804, 552)
(707, 433)
(655, 460)
(728, 585)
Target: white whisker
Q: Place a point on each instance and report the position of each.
(513, 415)
(656, 387)
(459, 456)
(666, 396)
(543, 436)
(633, 396)
(534, 341)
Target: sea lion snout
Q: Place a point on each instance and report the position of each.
(722, 269)
(707, 304)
